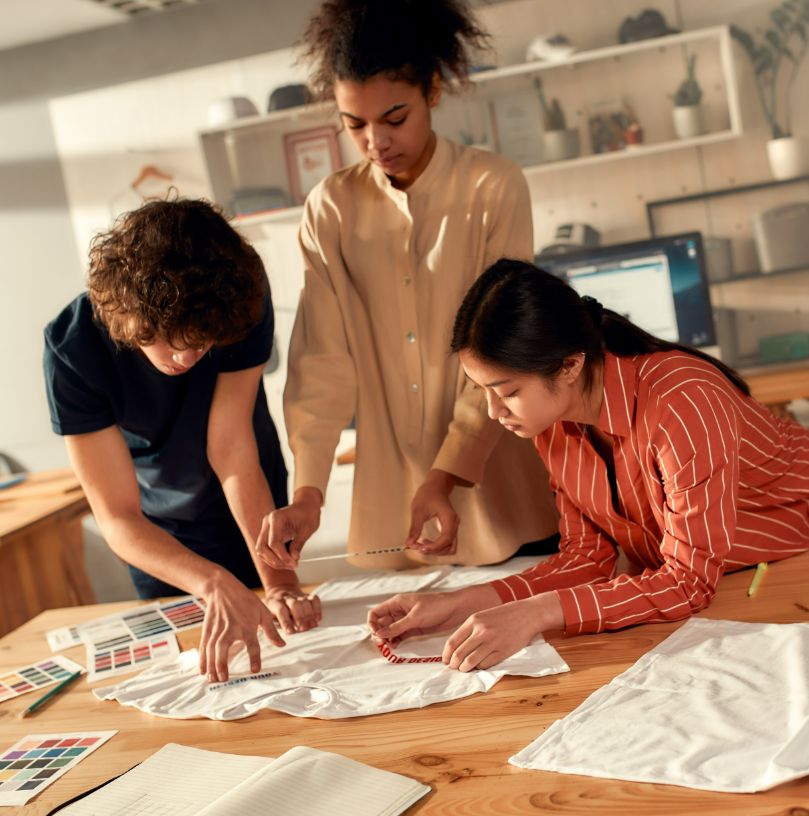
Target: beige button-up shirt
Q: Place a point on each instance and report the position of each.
(385, 272)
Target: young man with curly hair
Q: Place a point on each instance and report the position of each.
(154, 379)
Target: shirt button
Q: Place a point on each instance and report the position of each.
(414, 387)
(407, 281)
(411, 338)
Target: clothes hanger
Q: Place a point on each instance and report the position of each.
(149, 171)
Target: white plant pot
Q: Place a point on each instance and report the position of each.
(789, 157)
(688, 121)
(561, 144)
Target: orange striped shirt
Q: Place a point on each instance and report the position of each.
(708, 480)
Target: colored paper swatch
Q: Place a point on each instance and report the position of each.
(108, 661)
(33, 762)
(36, 676)
(136, 624)
(185, 613)
(63, 638)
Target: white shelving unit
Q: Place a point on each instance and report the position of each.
(719, 33)
(634, 152)
(249, 152)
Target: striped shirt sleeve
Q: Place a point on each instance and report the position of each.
(586, 555)
(694, 436)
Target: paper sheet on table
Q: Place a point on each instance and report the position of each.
(175, 781)
(331, 672)
(307, 782)
(183, 781)
(718, 705)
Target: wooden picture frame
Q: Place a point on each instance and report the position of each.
(311, 155)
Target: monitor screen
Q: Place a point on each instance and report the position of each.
(658, 284)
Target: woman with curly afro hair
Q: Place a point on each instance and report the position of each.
(390, 245)
(154, 379)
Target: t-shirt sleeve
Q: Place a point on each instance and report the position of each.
(75, 407)
(255, 349)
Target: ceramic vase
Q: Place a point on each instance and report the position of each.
(688, 121)
(789, 156)
(561, 144)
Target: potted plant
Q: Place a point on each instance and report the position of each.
(560, 142)
(776, 59)
(687, 111)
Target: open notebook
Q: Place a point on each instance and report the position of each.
(183, 781)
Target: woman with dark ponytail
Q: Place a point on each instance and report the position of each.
(653, 448)
(390, 246)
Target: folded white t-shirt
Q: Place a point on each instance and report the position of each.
(718, 705)
(333, 671)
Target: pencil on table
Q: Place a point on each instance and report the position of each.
(52, 693)
(757, 576)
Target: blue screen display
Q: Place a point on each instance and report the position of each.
(659, 284)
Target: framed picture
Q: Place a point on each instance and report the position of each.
(311, 156)
(517, 120)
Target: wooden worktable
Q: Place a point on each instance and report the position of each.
(41, 547)
(777, 385)
(459, 748)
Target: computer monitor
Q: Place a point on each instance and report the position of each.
(659, 284)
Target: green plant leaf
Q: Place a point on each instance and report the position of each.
(778, 44)
(780, 18)
(763, 59)
(744, 39)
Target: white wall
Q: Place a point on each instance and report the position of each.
(40, 270)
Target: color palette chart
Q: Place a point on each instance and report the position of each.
(109, 660)
(32, 763)
(167, 618)
(185, 613)
(63, 638)
(36, 676)
(141, 622)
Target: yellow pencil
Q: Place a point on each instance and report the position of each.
(52, 693)
(757, 576)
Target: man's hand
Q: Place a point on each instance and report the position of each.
(284, 532)
(234, 614)
(427, 613)
(293, 608)
(432, 502)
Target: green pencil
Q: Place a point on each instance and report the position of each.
(758, 575)
(52, 693)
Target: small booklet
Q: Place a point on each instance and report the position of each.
(178, 779)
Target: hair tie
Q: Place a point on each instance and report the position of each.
(594, 309)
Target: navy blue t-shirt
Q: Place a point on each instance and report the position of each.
(92, 384)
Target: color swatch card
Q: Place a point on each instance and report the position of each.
(63, 638)
(141, 622)
(184, 613)
(36, 676)
(104, 660)
(32, 763)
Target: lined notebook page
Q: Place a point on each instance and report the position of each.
(306, 782)
(174, 781)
